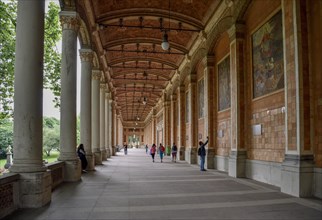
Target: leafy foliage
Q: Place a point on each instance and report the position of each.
(51, 135)
(52, 57)
(8, 18)
(6, 136)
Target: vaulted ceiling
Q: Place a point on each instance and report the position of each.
(127, 35)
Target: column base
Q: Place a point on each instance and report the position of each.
(104, 154)
(182, 153)
(91, 162)
(72, 170)
(297, 175)
(113, 151)
(191, 155)
(98, 158)
(108, 152)
(210, 154)
(35, 189)
(237, 163)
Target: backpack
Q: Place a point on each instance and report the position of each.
(199, 151)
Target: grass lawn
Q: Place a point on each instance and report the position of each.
(2, 162)
(53, 157)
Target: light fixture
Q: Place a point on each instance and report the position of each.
(144, 100)
(165, 43)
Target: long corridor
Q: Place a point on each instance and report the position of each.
(132, 187)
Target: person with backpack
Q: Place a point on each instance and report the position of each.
(152, 151)
(174, 150)
(202, 154)
(161, 150)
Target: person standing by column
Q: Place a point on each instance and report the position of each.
(146, 149)
(202, 154)
(125, 149)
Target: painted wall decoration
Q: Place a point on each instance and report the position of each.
(201, 92)
(224, 84)
(267, 57)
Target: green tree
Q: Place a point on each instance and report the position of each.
(8, 17)
(51, 134)
(52, 57)
(6, 135)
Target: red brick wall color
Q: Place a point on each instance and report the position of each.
(267, 111)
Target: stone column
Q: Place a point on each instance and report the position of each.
(182, 123)
(28, 106)
(117, 128)
(166, 122)
(107, 124)
(154, 127)
(237, 157)
(70, 25)
(102, 121)
(86, 56)
(210, 105)
(111, 127)
(193, 116)
(298, 166)
(114, 141)
(173, 119)
(96, 116)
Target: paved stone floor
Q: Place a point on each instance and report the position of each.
(132, 187)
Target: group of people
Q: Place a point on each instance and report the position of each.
(201, 152)
(174, 149)
(161, 151)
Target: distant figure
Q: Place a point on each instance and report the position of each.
(174, 150)
(202, 154)
(146, 149)
(152, 151)
(82, 156)
(125, 149)
(161, 150)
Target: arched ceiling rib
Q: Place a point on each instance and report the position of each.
(127, 37)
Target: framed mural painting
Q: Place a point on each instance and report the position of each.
(201, 93)
(224, 84)
(267, 57)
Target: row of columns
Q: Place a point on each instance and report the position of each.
(95, 112)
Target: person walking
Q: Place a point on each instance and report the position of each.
(174, 150)
(125, 149)
(202, 154)
(152, 151)
(82, 156)
(146, 149)
(161, 151)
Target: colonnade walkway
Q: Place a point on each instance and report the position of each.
(132, 187)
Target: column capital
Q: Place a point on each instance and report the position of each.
(236, 31)
(102, 86)
(69, 20)
(86, 55)
(96, 74)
